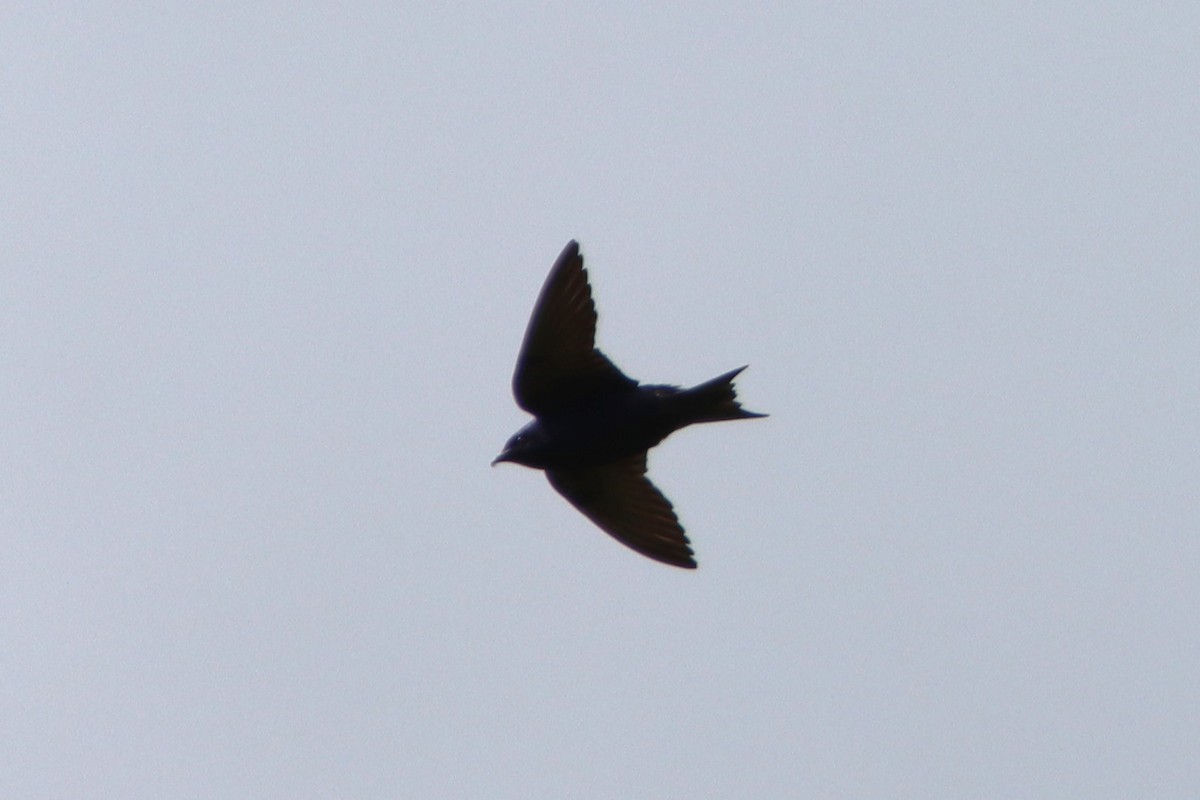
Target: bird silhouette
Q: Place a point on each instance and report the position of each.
(593, 425)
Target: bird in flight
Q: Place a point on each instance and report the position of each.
(593, 425)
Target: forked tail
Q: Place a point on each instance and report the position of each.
(715, 400)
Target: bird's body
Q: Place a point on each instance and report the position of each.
(594, 424)
(611, 426)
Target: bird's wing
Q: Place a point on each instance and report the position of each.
(559, 363)
(626, 505)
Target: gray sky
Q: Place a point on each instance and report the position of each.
(265, 274)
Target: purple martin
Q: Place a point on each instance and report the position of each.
(593, 425)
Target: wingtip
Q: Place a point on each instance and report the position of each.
(672, 560)
(677, 554)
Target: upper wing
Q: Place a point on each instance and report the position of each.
(559, 363)
(626, 505)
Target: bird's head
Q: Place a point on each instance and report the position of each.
(525, 446)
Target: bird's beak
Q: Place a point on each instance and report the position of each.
(502, 457)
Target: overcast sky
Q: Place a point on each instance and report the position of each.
(265, 272)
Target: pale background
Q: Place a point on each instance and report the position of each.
(265, 271)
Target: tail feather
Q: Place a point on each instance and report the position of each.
(716, 400)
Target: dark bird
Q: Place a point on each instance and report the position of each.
(594, 425)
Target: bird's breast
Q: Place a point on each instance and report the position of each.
(605, 431)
